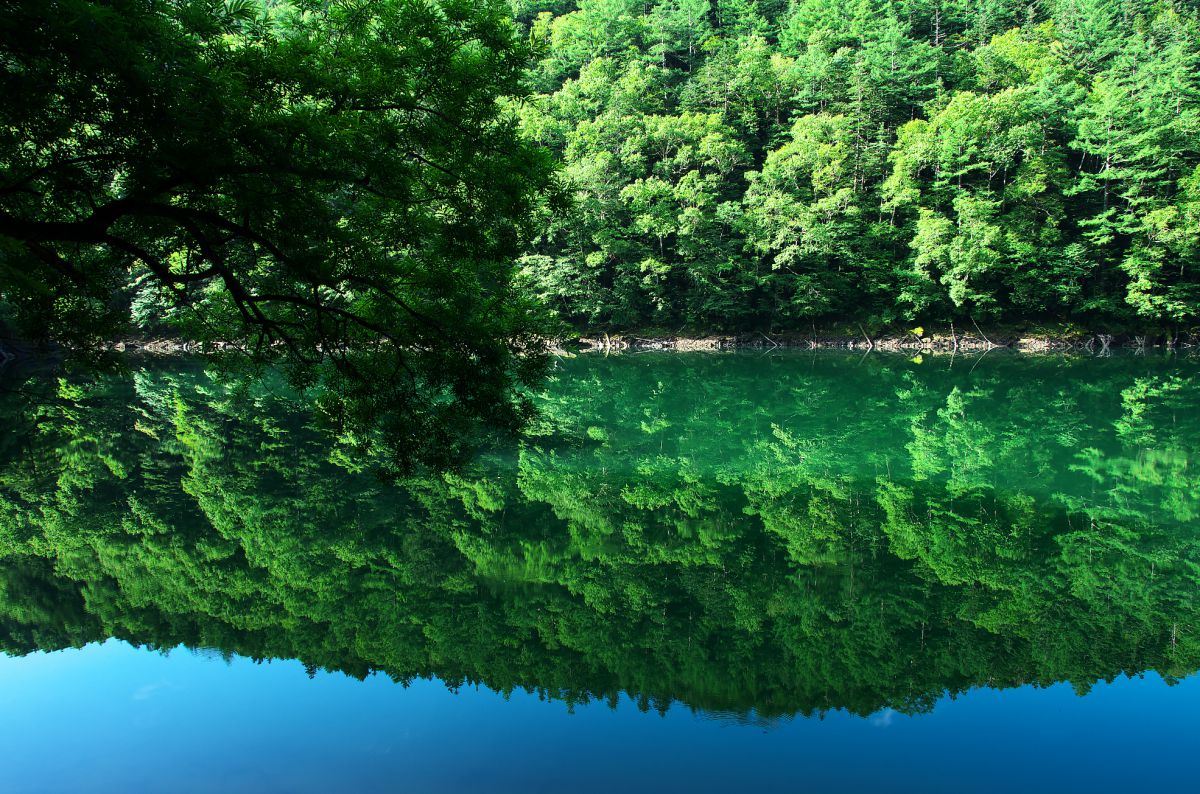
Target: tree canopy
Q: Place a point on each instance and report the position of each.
(744, 164)
(337, 185)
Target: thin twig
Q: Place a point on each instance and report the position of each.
(981, 333)
(870, 344)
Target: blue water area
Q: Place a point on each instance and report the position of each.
(110, 717)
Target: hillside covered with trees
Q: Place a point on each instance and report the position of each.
(338, 176)
(743, 164)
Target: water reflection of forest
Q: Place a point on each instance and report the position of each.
(736, 533)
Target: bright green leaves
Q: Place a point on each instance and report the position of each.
(985, 180)
(987, 158)
(921, 285)
(802, 212)
(1140, 132)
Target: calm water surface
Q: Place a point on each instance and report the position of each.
(697, 573)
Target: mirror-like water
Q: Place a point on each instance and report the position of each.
(769, 551)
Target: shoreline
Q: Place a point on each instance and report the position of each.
(940, 342)
(978, 341)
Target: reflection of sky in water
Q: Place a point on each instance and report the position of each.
(111, 718)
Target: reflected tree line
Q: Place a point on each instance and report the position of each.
(782, 535)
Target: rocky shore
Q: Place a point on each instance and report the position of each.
(929, 342)
(978, 340)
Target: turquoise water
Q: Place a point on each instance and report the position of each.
(697, 572)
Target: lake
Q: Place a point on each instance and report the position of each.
(696, 572)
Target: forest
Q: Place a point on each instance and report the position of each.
(700, 164)
(770, 164)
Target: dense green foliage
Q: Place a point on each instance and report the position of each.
(337, 185)
(752, 163)
(363, 188)
(787, 535)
